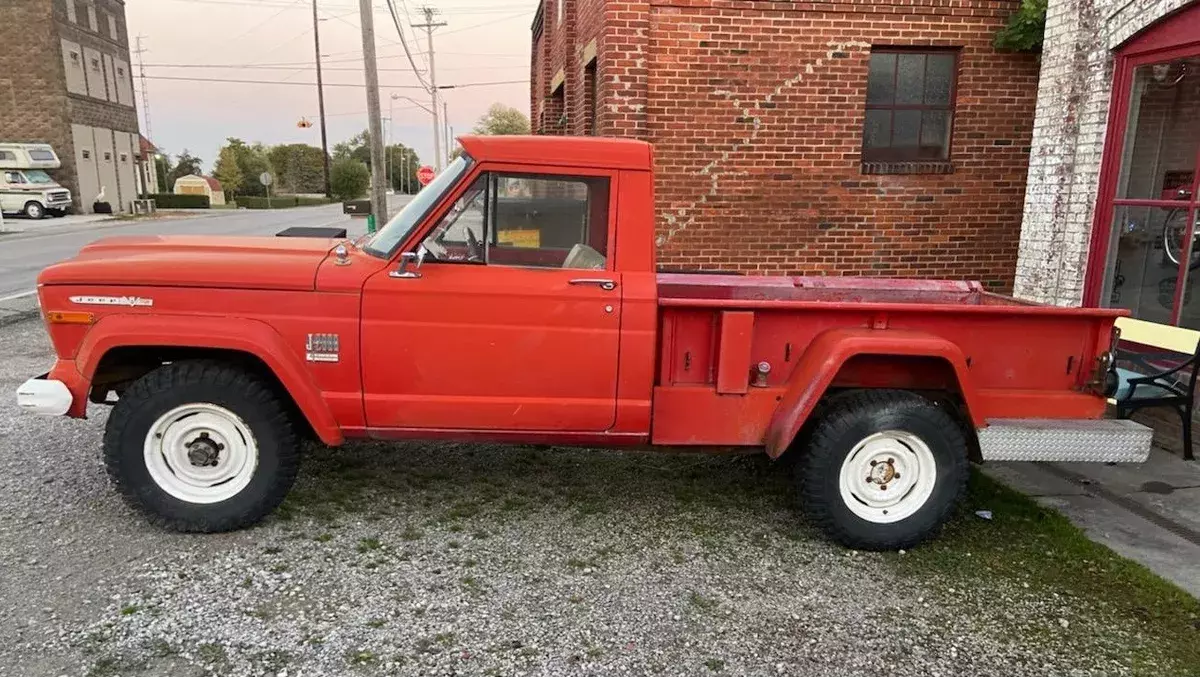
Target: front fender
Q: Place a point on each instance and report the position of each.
(827, 353)
(224, 333)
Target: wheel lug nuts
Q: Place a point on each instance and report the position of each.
(896, 476)
(883, 487)
(874, 463)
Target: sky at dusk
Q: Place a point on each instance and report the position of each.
(271, 41)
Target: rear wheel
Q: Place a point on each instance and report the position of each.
(201, 446)
(884, 469)
(34, 210)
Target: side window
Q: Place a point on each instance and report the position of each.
(526, 220)
(14, 177)
(459, 236)
(549, 222)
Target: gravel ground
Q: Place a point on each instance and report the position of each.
(437, 559)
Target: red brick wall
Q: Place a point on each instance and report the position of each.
(756, 112)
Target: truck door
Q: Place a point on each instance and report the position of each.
(512, 319)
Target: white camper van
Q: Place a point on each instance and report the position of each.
(25, 187)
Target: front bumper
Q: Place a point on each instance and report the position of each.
(1098, 441)
(45, 396)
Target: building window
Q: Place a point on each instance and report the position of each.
(75, 58)
(107, 156)
(910, 106)
(86, 154)
(112, 27)
(124, 157)
(91, 10)
(96, 65)
(71, 16)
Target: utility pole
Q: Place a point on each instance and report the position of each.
(321, 98)
(145, 92)
(429, 25)
(371, 68)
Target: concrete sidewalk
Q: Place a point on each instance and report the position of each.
(20, 224)
(1149, 513)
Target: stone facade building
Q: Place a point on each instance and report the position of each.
(861, 137)
(65, 79)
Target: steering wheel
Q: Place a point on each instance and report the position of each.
(474, 251)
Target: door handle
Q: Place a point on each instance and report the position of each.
(598, 281)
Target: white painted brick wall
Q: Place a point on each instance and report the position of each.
(1068, 140)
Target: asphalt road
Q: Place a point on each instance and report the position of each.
(23, 255)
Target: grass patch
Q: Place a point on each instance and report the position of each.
(1027, 545)
(412, 533)
(361, 657)
(130, 609)
(369, 544)
(701, 602)
(714, 664)
(211, 654)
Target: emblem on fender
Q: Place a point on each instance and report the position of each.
(322, 348)
(129, 301)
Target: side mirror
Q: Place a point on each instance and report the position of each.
(414, 259)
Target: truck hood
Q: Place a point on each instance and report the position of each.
(284, 263)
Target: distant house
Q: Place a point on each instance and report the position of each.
(147, 169)
(201, 185)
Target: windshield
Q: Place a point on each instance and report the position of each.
(37, 176)
(390, 236)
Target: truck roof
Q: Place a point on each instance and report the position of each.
(576, 151)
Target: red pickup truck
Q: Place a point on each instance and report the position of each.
(516, 299)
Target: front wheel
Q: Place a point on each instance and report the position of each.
(884, 469)
(34, 210)
(201, 446)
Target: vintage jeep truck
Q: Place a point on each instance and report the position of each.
(516, 299)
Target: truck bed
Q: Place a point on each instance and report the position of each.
(1019, 359)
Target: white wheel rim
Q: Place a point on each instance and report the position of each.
(887, 476)
(201, 453)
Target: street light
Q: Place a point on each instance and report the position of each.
(404, 169)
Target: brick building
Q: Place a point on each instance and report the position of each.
(65, 80)
(862, 137)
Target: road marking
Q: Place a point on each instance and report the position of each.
(14, 297)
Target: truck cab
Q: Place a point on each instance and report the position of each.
(25, 186)
(516, 298)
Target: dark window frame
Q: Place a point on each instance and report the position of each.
(890, 157)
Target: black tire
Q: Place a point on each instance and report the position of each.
(851, 419)
(34, 210)
(182, 383)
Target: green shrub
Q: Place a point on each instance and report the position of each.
(349, 179)
(254, 202)
(302, 201)
(173, 201)
(1025, 29)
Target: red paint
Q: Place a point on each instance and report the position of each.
(519, 354)
(425, 174)
(733, 356)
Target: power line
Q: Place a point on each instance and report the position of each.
(303, 67)
(404, 41)
(464, 85)
(488, 23)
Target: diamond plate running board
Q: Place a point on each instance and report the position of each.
(1042, 439)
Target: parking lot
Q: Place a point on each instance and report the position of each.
(420, 559)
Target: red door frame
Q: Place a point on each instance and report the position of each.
(1173, 37)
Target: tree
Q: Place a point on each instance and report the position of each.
(357, 147)
(1025, 29)
(404, 164)
(298, 168)
(502, 120)
(252, 161)
(349, 179)
(228, 172)
(186, 165)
